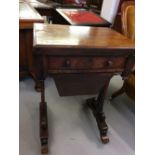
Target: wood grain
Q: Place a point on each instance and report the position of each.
(46, 35)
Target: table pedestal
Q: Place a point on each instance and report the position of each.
(79, 63)
(96, 105)
(43, 121)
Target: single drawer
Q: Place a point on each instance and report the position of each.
(84, 63)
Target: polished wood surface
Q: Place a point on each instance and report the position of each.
(27, 17)
(82, 60)
(128, 29)
(128, 19)
(118, 23)
(46, 35)
(75, 16)
(44, 8)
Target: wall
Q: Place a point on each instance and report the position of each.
(109, 9)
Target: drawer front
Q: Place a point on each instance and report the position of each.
(85, 63)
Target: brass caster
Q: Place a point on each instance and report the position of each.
(104, 139)
(44, 149)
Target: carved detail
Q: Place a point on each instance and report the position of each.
(96, 105)
(44, 145)
(128, 66)
(43, 121)
(100, 119)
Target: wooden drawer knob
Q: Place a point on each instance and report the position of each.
(109, 63)
(67, 63)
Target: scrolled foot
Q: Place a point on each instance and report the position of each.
(44, 146)
(105, 139)
(103, 128)
(100, 119)
(44, 149)
(43, 128)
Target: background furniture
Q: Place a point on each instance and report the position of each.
(128, 29)
(78, 17)
(117, 22)
(27, 16)
(33, 10)
(93, 5)
(44, 8)
(79, 63)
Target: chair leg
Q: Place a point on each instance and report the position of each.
(117, 93)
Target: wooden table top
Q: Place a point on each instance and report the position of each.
(81, 16)
(42, 4)
(64, 36)
(28, 15)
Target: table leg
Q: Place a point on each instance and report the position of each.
(96, 105)
(43, 122)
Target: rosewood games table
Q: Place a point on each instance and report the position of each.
(80, 57)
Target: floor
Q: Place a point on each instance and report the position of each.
(73, 130)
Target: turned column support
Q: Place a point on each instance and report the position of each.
(43, 121)
(40, 75)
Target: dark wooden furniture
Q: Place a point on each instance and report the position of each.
(128, 29)
(30, 11)
(93, 5)
(44, 8)
(80, 57)
(117, 23)
(78, 17)
(27, 16)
